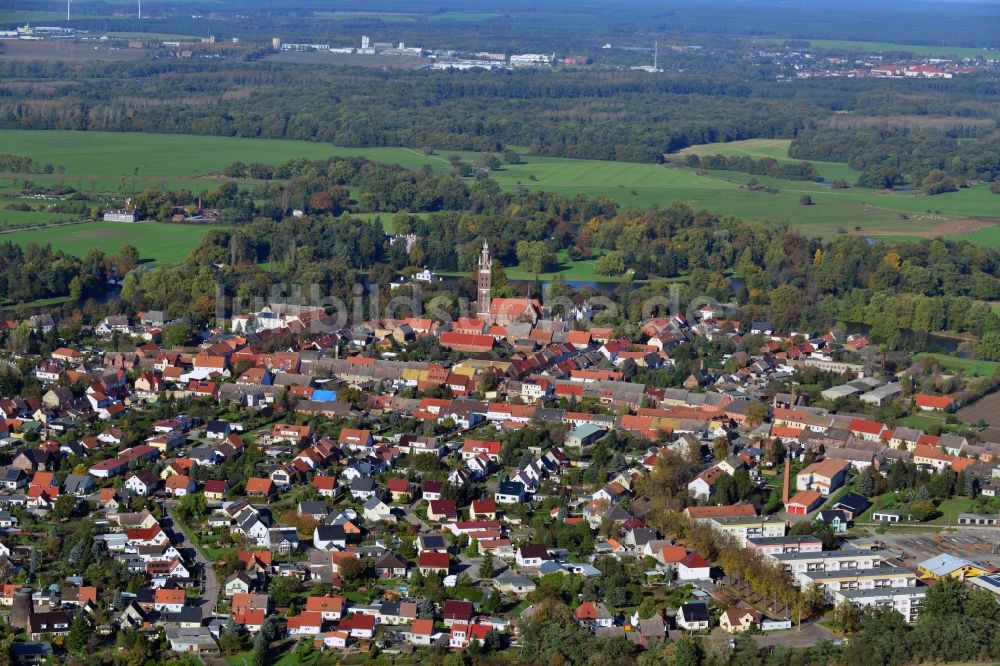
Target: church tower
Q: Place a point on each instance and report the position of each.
(485, 283)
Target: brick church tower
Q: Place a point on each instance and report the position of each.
(485, 283)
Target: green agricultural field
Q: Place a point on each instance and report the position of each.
(163, 156)
(774, 148)
(881, 47)
(967, 366)
(157, 242)
(988, 237)
(641, 185)
(16, 19)
(101, 162)
(17, 218)
(153, 36)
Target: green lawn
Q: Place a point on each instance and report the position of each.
(921, 421)
(158, 242)
(966, 366)
(40, 303)
(388, 219)
(876, 47)
(950, 508)
(568, 270)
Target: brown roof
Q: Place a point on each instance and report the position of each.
(721, 511)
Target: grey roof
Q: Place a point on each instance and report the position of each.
(77, 482)
(887, 592)
(313, 507)
(363, 484)
(846, 553)
(883, 572)
(186, 614)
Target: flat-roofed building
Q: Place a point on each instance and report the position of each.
(878, 578)
(904, 600)
(849, 559)
(748, 527)
(802, 543)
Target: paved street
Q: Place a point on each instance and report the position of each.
(210, 593)
(807, 637)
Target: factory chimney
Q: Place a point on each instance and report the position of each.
(23, 606)
(787, 485)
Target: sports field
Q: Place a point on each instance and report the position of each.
(157, 242)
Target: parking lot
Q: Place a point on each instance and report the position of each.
(981, 546)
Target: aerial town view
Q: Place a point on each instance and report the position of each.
(545, 333)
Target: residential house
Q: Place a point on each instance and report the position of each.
(531, 555)
(739, 620)
(693, 616)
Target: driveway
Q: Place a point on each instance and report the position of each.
(410, 516)
(210, 584)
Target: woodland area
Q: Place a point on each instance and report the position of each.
(607, 115)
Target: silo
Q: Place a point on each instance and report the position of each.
(276, 43)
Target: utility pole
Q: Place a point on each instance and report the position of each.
(67, 8)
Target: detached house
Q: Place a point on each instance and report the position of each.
(509, 492)
(532, 555)
(824, 477)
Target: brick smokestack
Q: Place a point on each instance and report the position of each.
(787, 485)
(23, 607)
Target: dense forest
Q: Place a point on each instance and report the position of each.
(608, 115)
(890, 156)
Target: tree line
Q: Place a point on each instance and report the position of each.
(765, 166)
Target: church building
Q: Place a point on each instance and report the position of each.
(501, 311)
